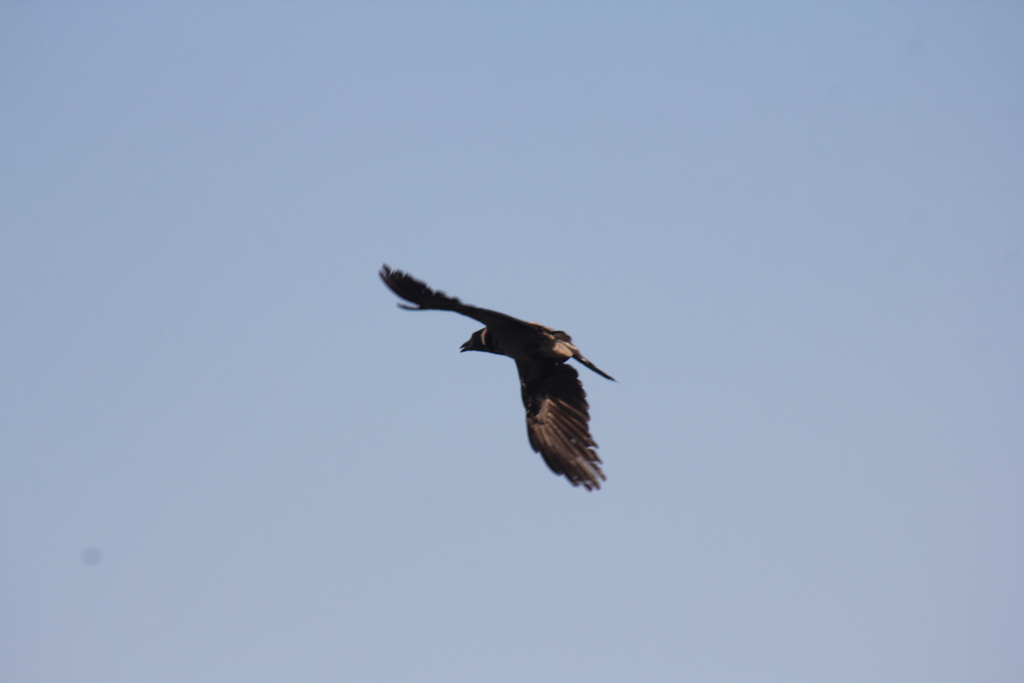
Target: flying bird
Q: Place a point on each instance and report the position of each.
(556, 405)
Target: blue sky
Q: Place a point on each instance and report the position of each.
(794, 232)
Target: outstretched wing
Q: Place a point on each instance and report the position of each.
(417, 292)
(556, 421)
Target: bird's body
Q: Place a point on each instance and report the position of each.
(556, 405)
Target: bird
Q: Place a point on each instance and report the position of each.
(557, 413)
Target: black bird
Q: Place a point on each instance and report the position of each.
(556, 405)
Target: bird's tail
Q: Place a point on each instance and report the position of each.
(578, 356)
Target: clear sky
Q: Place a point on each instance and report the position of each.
(793, 232)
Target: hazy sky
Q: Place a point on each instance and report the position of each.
(793, 232)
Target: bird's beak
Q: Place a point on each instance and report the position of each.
(464, 348)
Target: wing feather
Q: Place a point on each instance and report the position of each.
(417, 292)
(557, 420)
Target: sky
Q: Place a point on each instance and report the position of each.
(793, 232)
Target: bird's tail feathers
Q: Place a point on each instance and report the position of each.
(578, 356)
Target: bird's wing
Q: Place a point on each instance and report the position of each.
(417, 292)
(556, 421)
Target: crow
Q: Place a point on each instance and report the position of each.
(556, 405)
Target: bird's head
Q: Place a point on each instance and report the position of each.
(477, 342)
